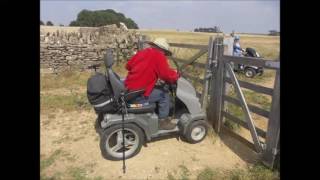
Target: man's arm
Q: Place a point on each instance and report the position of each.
(164, 71)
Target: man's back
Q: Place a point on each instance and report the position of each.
(145, 68)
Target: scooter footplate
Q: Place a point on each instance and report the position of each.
(168, 131)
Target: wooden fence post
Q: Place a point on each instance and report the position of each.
(273, 133)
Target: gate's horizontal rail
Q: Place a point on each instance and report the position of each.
(196, 64)
(194, 58)
(184, 74)
(227, 115)
(241, 139)
(194, 46)
(253, 87)
(269, 64)
(252, 108)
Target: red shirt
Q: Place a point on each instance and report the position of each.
(144, 69)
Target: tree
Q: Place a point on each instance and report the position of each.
(74, 23)
(41, 23)
(49, 23)
(274, 33)
(101, 18)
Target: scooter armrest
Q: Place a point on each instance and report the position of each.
(133, 94)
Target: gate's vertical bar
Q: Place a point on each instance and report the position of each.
(218, 86)
(141, 41)
(273, 133)
(213, 66)
(207, 75)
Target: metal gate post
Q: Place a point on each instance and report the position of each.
(141, 41)
(208, 75)
(218, 85)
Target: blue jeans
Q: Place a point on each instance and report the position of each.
(159, 96)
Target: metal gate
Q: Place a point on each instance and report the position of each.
(225, 75)
(217, 77)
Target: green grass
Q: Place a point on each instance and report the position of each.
(55, 176)
(70, 79)
(257, 99)
(77, 173)
(72, 102)
(265, 77)
(235, 111)
(45, 163)
(255, 172)
(251, 97)
(207, 174)
(185, 173)
(74, 173)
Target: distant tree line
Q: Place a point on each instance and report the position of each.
(101, 18)
(215, 29)
(274, 33)
(49, 23)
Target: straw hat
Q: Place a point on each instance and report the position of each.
(162, 44)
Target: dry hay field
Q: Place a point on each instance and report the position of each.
(70, 146)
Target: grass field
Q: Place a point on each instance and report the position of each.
(70, 146)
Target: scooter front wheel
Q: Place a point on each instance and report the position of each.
(196, 132)
(111, 145)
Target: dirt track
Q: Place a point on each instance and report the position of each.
(74, 135)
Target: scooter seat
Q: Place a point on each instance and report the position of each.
(143, 109)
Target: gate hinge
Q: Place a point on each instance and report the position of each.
(275, 151)
(263, 146)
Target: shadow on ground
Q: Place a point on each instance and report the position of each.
(244, 152)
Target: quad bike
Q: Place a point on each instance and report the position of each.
(124, 130)
(248, 70)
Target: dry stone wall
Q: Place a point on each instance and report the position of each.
(61, 49)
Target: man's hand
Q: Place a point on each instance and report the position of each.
(160, 82)
(179, 75)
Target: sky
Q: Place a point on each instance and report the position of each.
(249, 16)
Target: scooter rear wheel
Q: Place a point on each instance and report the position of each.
(249, 72)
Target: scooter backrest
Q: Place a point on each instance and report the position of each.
(108, 58)
(116, 84)
(251, 52)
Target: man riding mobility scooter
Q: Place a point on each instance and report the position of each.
(124, 127)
